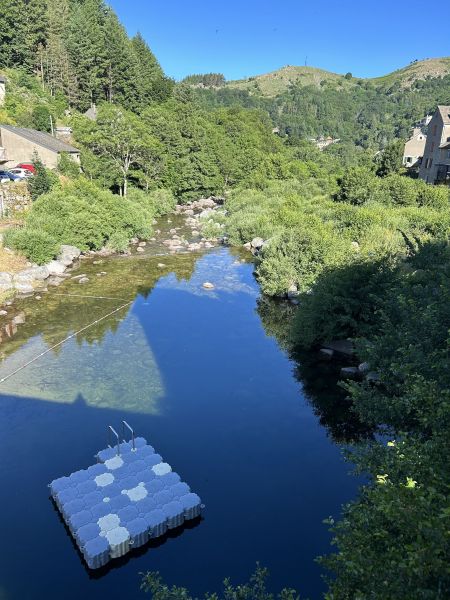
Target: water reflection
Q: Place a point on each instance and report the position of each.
(318, 379)
(111, 362)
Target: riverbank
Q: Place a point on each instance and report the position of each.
(178, 232)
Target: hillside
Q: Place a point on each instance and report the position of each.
(277, 82)
(305, 102)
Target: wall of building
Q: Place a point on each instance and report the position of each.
(414, 148)
(19, 149)
(428, 169)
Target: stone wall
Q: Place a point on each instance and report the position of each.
(14, 198)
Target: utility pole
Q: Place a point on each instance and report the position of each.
(51, 126)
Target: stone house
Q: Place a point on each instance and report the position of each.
(435, 167)
(17, 145)
(414, 148)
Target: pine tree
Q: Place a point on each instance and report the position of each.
(86, 45)
(122, 64)
(151, 82)
(23, 28)
(56, 67)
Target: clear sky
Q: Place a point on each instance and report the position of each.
(240, 38)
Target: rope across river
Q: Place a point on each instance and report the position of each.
(116, 310)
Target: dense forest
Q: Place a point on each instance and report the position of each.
(362, 246)
(369, 113)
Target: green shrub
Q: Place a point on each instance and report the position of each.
(85, 216)
(43, 179)
(435, 196)
(399, 190)
(118, 241)
(358, 185)
(67, 166)
(298, 256)
(37, 245)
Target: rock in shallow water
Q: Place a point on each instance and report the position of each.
(208, 285)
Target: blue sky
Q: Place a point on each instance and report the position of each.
(240, 38)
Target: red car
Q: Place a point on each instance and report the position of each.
(27, 166)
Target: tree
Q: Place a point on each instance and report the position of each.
(55, 65)
(41, 118)
(42, 182)
(390, 159)
(120, 139)
(87, 45)
(122, 70)
(152, 84)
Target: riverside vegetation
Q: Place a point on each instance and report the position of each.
(363, 246)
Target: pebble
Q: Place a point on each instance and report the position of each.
(3, 313)
(208, 285)
(161, 265)
(140, 249)
(83, 280)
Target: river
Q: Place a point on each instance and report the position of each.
(196, 372)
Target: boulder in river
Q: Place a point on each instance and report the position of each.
(257, 243)
(55, 267)
(208, 285)
(350, 373)
(19, 319)
(140, 249)
(6, 282)
(83, 280)
(68, 254)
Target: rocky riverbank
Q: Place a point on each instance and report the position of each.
(176, 233)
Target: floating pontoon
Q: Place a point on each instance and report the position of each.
(120, 503)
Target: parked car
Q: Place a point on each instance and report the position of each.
(27, 166)
(6, 177)
(24, 173)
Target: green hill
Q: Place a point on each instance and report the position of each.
(305, 102)
(277, 82)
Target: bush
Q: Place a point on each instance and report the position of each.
(82, 215)
(435, 196)
(35, 244)
(399, 190)
(358, 185)
(67, 166)
(298, 256)
(43, 179)
(157, 202)
(118, 241)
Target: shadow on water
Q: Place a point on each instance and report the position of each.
(318, 379)
(118, 563)
(197, 375)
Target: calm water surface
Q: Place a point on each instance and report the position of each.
(194, 372)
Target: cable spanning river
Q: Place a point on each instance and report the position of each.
(194, 371)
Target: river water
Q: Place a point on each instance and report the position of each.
(199, 375)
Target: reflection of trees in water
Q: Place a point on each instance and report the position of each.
(319, 379)
(58, 314)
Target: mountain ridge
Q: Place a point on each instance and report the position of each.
(276, 82)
